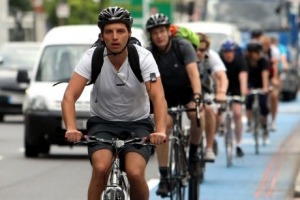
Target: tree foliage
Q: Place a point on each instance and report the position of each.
(81, 11)
(23, 5)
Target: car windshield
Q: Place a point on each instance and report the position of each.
(246, 14)
(19, 56)
(58, 62)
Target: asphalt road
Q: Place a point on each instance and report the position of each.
(65, 173)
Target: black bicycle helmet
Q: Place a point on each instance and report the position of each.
(254, 47)
(114, 14)
(156, 20)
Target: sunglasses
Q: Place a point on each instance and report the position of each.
(202, 49)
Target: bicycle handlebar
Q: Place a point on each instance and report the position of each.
(178, 110)
(117, 143)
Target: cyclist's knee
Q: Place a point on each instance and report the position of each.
(135, 174)
(100, 169)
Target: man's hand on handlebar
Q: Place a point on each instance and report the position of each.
(73, 135)
(158, 138)
(220, 97)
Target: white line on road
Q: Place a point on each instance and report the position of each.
(152, 183)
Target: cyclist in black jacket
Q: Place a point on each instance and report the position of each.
(258, 78)
(237, 73)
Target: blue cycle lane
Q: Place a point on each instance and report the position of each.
(269, 175)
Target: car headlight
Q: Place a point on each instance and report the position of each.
(38, 103)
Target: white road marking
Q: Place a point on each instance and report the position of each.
(152, 183)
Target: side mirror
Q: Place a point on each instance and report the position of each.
(22, 76)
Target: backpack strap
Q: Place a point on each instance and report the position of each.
(177, 50)
(134, 62)
(97, 62)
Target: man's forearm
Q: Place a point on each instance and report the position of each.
(221, 82)
(69, 114)
(160, 113)
(265, 79)
(243, 77)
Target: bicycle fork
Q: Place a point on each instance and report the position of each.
(113, 190)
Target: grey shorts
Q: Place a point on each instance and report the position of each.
(122, 130)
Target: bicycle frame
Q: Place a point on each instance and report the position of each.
(118, 183)
(179, 171)
(117, 187)
(178, 162)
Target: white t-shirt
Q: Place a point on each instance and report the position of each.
(215, 61)
(118, 95)
(275, 52)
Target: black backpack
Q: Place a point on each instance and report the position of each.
(133, 59)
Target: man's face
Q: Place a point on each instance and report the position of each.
(115, 36)
(255, 55)
(228, 56)
(160, 36)
(201, 50)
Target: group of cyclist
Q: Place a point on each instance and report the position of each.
(178, 81)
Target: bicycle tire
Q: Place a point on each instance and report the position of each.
(194, 189)
(229, 142)
(175, 183)
(114, 194)
(256, 130)
(265, 136)
(202, 164)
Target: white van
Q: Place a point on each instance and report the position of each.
(218, 32)
(60, 51)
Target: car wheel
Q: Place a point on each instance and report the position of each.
(45, 149)
(1, 118)
(31, 151)
(286, 96)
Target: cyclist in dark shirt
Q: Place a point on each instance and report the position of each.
(177, 62)
(258, 78)
(237, 74)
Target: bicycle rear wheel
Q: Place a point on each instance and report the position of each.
(176, 162)
(229, 142)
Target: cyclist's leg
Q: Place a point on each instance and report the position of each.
(162, 151)
(100, 157)
(274, 101)
(263, 104)
(101, 161)
(136, 158)
(237, 116)
(249, 102)
(195, 131)
(210, 130)
(135, 166)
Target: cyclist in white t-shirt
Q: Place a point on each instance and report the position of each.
(119, 104)
(211, 61)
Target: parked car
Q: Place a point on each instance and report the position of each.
(15, 58)
(61, 49)
(217, 31)
(290, 79)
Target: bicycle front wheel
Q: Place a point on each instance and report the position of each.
(229, 142)
(176, 176)
(256, 130)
